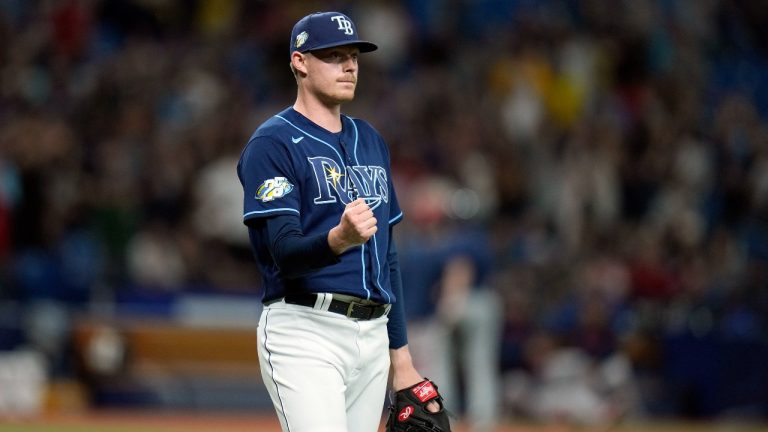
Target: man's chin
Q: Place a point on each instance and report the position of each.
(343, 98)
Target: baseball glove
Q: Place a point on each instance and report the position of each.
(408, 411)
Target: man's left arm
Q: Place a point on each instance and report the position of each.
(404, 374)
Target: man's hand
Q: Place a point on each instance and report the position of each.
(404, 373)
(356, 226)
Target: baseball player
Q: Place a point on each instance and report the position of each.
(320, 208)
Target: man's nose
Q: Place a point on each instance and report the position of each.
(350, 63)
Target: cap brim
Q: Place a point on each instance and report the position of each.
(364, 46)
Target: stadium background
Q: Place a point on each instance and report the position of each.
(614, 154)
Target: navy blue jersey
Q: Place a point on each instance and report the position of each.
(293, 166)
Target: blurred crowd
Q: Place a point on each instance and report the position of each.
(596, 171)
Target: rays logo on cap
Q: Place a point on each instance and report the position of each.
(344, 24)
(301, 38)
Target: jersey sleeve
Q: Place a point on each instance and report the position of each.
(268, 178)
(396, 326)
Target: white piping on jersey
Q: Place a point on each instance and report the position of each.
(375, 242)
(341, 160)
(354, 148)
(362, 262)
(378, 276)
(375, 249)
(270, 211)
(396, 217)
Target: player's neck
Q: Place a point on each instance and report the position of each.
(327, 117)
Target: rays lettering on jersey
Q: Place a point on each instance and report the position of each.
(360, 181)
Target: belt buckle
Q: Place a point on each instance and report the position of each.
(350, 309)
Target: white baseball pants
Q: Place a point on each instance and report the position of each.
(324, 371)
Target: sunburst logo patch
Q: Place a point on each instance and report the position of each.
(273, 188)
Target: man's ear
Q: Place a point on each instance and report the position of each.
(299, 62)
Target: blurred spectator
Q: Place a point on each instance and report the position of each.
(22, 384)
(454, 311)
(566, 385)
(468, 336)
(154, 259)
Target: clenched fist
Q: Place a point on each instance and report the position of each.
(356, 226)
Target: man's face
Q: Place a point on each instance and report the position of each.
(332, 73)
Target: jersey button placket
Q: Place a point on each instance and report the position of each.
(349, 167)
(356, 195)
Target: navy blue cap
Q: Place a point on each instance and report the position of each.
(324, 30)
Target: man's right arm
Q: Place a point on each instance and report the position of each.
(296, 254)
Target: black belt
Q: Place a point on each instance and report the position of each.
(352, 309)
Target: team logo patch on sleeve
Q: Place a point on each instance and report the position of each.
(273, 188)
